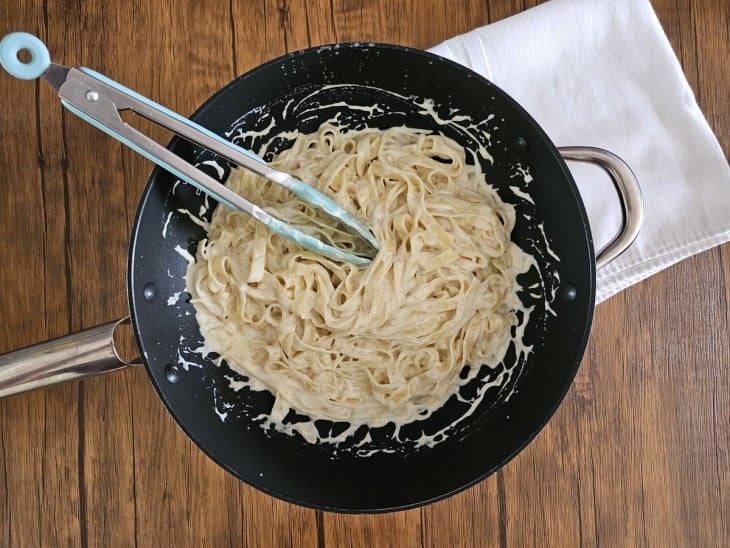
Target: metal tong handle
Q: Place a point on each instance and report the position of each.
(98, 100)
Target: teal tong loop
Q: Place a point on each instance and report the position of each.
(98, 100)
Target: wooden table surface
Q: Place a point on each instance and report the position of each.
(637, 455)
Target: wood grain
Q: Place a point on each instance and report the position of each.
(637, 455)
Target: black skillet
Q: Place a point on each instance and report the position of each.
(293, 92)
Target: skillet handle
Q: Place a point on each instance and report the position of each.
(86, 353)
(629, 193)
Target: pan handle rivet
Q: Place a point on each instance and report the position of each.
(172, 372)
(149, 292)
(568, 292)
(520, 144)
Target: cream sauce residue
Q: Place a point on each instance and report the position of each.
(524, 195)
(167, 222)
(185, 254)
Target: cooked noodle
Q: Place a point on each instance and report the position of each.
(363, 345)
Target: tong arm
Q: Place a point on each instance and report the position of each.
(125, 98)
(99, 104)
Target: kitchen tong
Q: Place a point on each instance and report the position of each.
(99, 100)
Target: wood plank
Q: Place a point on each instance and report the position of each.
(393, 22)
(38, 433)
(96, 235)
(472, 518)
(363, 531)
(710, 41)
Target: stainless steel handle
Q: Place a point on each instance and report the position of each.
(86, 353)
(629, 193)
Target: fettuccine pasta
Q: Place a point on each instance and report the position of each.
(364, 345)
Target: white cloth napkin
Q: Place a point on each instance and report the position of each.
(603, 74)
